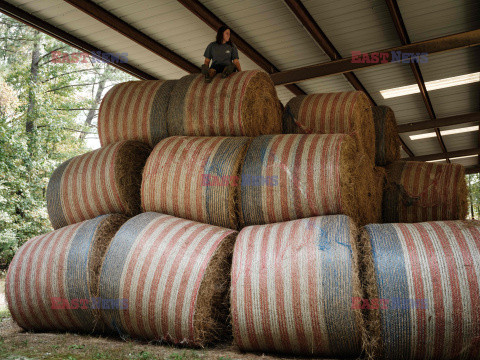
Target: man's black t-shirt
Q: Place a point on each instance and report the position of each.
(221, 54)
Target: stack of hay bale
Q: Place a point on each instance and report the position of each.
(194, 163)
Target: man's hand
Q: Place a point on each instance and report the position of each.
(237, 64)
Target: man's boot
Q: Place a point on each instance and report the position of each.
(205, 72)
(228, 71)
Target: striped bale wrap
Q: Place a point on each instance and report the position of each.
(421, 191)
(333, 113)
(103, 181)
(292, 176)
(195, 178)
(244, 104)
(387, 142)
(292, 288)
(175, 274)
(430, 275)
(56, 267)
(135, 110)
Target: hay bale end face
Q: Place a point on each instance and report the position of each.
(135, 110)
(387, 143)
(422, 191)
(425, 275)
(195, 178)
(292, 176)
(175, 274)
(333, 113)
(293, 285)
(244, 104)
(100, 182)
(52, 278)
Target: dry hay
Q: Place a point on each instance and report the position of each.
(333, 113)
(100, 182)
(423, 280)
(195, 178)
(370, 190)
(175, 274)
(387, 142)
(292, 176)
(421, 191)
(53, 272)
(244, 104)
(293, 285)
(135, 110)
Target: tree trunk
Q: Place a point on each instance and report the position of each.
(98, 98)
(30, 124)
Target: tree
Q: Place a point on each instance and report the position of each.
(46, 109)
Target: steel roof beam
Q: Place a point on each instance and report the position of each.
(403, 35)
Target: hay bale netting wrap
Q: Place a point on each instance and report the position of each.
(387, 142)
(244, 104)
(292, 288)
(429, 275)
(103, 181)
(292, 176)
(175, 274)
(332, 113)
(422, 191)
(195, 178)
(53, 271)
(135, 110)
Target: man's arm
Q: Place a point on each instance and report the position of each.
(207, 61)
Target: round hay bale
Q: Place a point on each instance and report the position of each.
(175, 274)
(195, 178)
(287, 177)
(333, 113)
(244, 104)
(135, 110)
(387, 143)
(425, 276)
(422, 191)
(52, 278)
(293, 285)
(103, 181)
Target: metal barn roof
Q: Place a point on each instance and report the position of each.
(165, 39)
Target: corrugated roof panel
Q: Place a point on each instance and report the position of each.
(458, 99)
(468, 161)
(354, 25)
(430, 19)
(409, 108)
(423, 146)
(461, 141)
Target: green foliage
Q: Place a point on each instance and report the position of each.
(473, 183)
(40, 125)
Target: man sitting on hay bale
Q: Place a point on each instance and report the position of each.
(224, 55)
